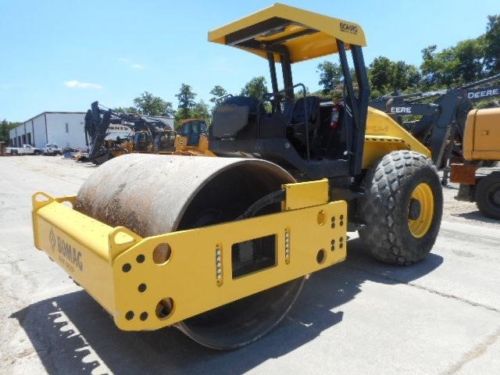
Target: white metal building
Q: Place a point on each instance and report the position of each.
(65, 129)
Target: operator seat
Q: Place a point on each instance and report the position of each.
(305, 109)
(194, 134)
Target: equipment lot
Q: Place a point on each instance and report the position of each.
(441, 316)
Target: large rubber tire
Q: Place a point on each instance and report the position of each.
(385, 208)
(488, 195)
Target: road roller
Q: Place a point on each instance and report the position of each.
(220, 247)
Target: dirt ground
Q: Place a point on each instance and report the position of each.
(441, 316)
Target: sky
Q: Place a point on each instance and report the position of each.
(61, 55)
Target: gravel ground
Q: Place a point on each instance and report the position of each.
(441, 316)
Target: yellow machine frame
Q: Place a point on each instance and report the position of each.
(314, 35)
(305, 46)
(481, 142)
(201, 149)
(482, 135)
(117, 267)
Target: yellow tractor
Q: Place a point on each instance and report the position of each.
(220, 247)
(192, 138)
(479, 175)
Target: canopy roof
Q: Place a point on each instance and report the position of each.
(306, 35)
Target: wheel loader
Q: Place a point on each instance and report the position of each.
(220, 247)
(192, 138)
(479, 174)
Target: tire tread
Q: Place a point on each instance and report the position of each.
(381, 210)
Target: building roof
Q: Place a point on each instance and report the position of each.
(54, 112)
(22, 124)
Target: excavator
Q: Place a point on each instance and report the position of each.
(442, 113)
(220, 247)
(149, 134)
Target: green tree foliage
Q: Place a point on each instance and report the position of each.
(330, 76)
(5, 127)
(455, 65)
(492, 45)
(151, 105)
(217, 93)
(470, 57)
(433, 67)
(404, 76)
(186, 100)
(387, 75)
(256, 87)
(467, 61)
(125, 110)
(4, 131)
(169, 109)
(380, 73)
(201, 111)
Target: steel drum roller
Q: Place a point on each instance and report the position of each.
(155, 194)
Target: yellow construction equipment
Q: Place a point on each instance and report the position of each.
(192, 138)
(220, 246)
(479, 175)
(146, 134)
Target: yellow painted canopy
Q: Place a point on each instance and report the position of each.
(306, 35)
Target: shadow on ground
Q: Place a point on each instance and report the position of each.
(72, 334)
(477, 215)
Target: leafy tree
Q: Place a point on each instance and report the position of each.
(217, 92)
(151, 105)
(125, 110)
(169, 109)
(186, 102)
(200, 111)
(404, 76)
(256, 87)
(5, 127)
(386, 75)
(429, 66)
(455, 65)
(467, 61)
(492, 45)
(330, 76)
(380, 73)
(470, 56)
(4, 131)
(439, 68)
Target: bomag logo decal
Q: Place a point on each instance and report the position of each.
(68, 255)
(348, 28)
(52, 239)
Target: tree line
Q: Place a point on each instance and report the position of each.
(5, 127)
(151, 105)
(469, 60)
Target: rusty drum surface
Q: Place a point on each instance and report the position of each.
(154, 194)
